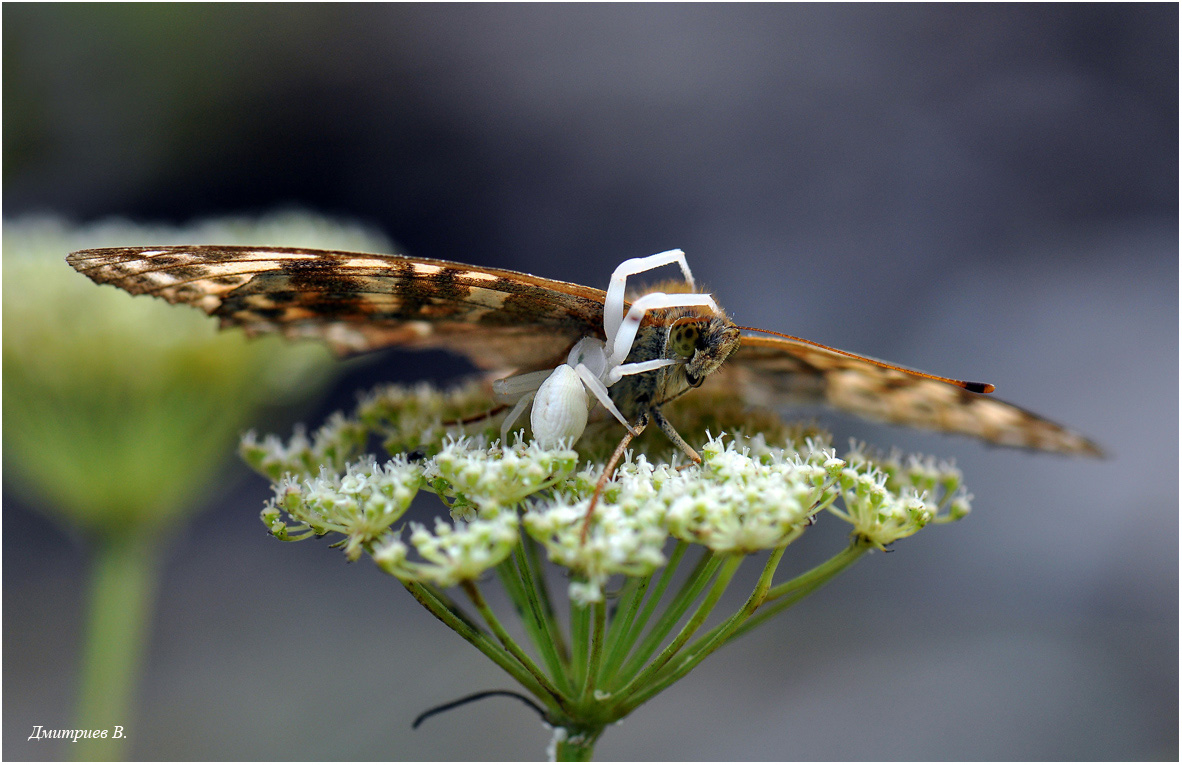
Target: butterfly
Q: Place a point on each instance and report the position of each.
(635, 355)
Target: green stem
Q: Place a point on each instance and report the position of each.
(474, 635)
(535, 565)
(598, 618)
(717, 637)
(580, 628)
(577, 747)
(615, 646)
(697, 581)
(636, 625)
(515, 577)
(638, 683)
(510, 645)
(712, 640)
(122, 588)
(789, 593)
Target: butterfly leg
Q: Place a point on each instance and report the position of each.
(476, 417)
(613, 306)
(607, 473)
(668, 429)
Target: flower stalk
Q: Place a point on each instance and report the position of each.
(122, 591)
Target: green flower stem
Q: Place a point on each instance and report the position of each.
(716, 638)
(579, 747)
(697, 581)
(638, 685)
(636, 625)
(474, 635)
(598, 619)
(473, 593)
(784, 596)
(122, 587)
(580, 630)
(538, 572)
(515, 578)
(622, 619)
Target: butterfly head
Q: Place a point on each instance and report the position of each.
(704, 340)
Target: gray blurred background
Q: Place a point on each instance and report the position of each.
(983, 191)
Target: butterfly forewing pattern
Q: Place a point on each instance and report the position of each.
(503, 319)
(359, 302)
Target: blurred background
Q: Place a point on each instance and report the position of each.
(983, 191)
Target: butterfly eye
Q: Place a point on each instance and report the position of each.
(683, 338)
(693, 379)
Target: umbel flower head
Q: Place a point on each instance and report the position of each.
(507, 507)
(746, 496)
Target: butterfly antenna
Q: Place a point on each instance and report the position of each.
(974, 387)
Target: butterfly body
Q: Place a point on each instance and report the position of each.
(700, 340)
(502, 319)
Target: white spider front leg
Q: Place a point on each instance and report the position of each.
(621, 342)
(613, 304)
(514, 413)
(599, 390)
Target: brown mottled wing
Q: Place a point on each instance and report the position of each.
(359, 302)
(772, 371)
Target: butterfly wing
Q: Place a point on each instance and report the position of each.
(772, 371)
(359, 302)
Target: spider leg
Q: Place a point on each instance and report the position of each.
(613, 306)
(636, 368)
(519, 384)
(514, 413)
(622, 340)
(599, 390)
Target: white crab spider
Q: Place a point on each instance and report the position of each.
(559, 396)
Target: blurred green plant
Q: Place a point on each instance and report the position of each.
(119, 414)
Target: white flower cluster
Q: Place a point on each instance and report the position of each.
(452, 554)
(333, 445)
(362, 503)
(627, 535)
(411, 417)
(490, 479)
(748, 503)
(890, 498)
(734, 502)
(744, 497)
